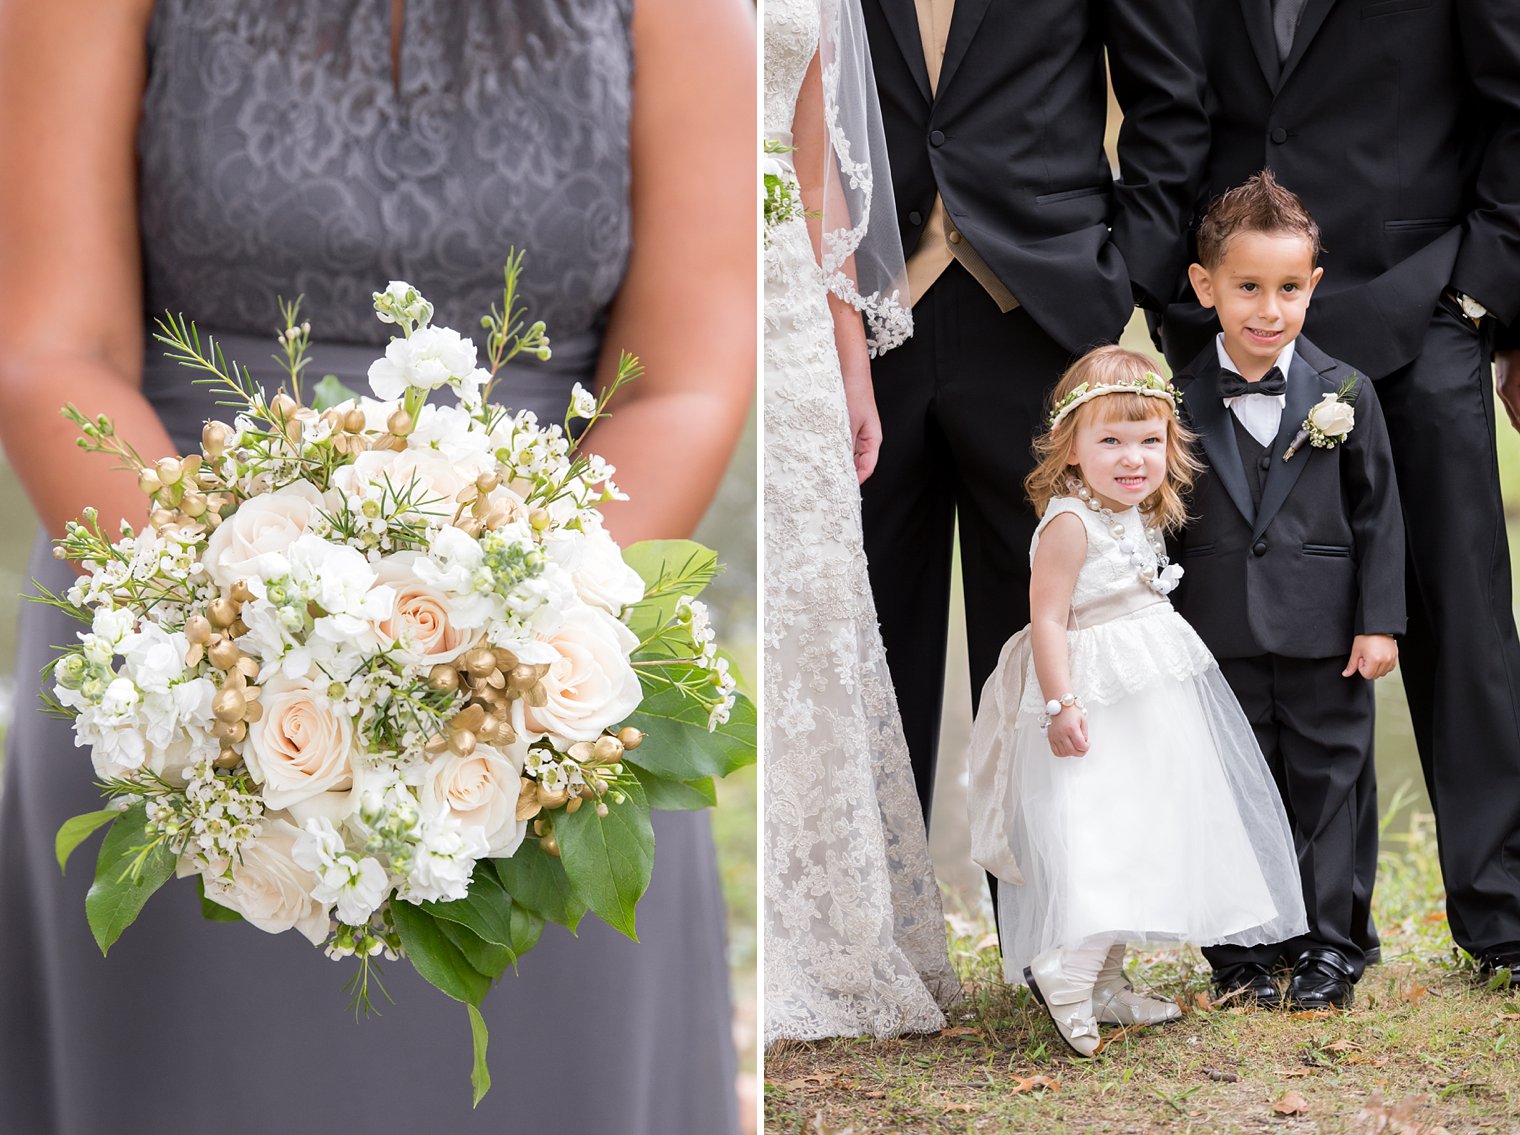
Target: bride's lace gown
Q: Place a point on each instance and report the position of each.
(854, 930)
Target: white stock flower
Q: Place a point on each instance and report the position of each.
(297, 750)
(596, 568)
(356, 887)
(1332, 417)
(590, 684)
(443, 860)
(269, 888)
(428, 359)
(480, 791)
(264, 524)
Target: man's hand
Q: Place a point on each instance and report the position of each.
(1372, 656)
(1507, 382)
(1067, 733)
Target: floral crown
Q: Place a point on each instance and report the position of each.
(1150, 384)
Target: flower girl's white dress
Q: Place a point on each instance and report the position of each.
(1170, 827)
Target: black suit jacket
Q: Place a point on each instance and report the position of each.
(1013, 141)
(1398, 123)
(1322, 559)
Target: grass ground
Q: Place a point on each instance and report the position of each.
(1426, 1050)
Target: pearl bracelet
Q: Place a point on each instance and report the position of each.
(1055, 705)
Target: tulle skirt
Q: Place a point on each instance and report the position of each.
(1170, 828)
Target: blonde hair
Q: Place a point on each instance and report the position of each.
(1109, 366)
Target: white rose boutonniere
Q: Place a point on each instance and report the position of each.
(1330, 419)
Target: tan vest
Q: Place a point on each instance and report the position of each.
(941, 241)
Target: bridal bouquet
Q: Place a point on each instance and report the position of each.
(376, 673)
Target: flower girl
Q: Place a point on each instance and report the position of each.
(1118, 793)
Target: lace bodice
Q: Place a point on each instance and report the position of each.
(1108, 573)
(791, 41)
(279, 155)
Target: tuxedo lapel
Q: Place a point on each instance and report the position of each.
(1216, 430)
(1303, 392)
(1309, 23)
(1258, 16)
(902, 18)
(963, 24)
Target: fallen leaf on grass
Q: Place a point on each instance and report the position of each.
(1035, 1083)
(1291, 1103)
(1343, 1046)
(1509, 1016)
(1413, 993)
(1435, 916)
(813, 1081)
(1380, 1118)
(819, 1127)
(1202, 1004)
(1314, 1014)
(959, 1030)
(965, 1107)
(1291, 1073)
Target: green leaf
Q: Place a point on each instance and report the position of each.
(608, 859)
(526, 928)
(329, 393)
(118, 893)
(669, 569)
(486, 958)
(437, 959)
(214, 911)
(538, 882)
(676, 795)
(678, 746)
(485, 910)
(480, 1075)
(75, 831)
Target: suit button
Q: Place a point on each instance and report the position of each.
(1265, 463)
(953, 236)
(1279, 135)
(915, 218)
(936, 138)
(1259, 548)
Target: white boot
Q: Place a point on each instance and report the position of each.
(1115, 1001)
(1068, 1000)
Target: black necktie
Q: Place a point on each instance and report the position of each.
(1231, 385)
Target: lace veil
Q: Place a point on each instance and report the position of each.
(862, 253)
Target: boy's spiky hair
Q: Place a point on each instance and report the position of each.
(1259, 205)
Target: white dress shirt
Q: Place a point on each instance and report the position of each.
(1260, 414)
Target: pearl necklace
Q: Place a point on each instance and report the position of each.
(1156, 572)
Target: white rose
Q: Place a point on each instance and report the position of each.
(596, 567)
(1332, 417)
(480, 791)
(438, 479)
(269, 888)
(419, 620)
(298, 750)
(590, 684)
(268, 523)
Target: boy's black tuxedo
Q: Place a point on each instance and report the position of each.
(1285, 563)
(1398, 123)
(1322, 558)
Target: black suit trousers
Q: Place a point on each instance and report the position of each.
(960, 403)
(1315, 730)
(1460, 658)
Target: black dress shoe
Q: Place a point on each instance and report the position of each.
(1322, 979)
(1491, 963)
(1249, 981)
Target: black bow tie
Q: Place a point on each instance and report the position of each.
(1231, 385)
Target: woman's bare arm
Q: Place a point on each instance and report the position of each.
(71, 83)
(687, 305)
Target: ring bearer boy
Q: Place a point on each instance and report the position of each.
(1294, 564)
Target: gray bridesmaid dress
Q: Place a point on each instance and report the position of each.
(277, 156)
